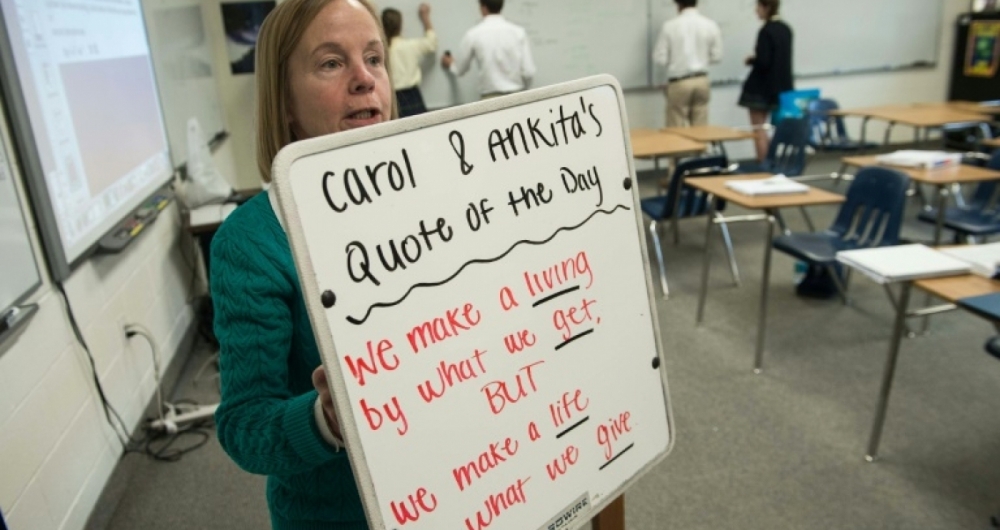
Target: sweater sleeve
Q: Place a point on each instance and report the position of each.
(262, 426)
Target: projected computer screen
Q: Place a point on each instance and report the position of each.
(85, 87)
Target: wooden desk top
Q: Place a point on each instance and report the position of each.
(641, 131)
(954, 288)
(974, 106)
(941, 177)
(992, 142)
(662, 144)
(710, 133)
(921, 114)
(717, 186)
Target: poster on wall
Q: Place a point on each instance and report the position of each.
(242, 22)
(983, 53)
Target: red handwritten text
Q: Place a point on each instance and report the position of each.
(515, 343)
(565, 320)
(440, 328)
(451, 374)
(411, 508)
(393, 411)
(560, 465)
(498, 393)
(497, 454)
(496, 504)
(359, 366)
(558, 274)
(608, 434)
(564, 409)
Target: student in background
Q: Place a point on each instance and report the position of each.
(321, 69)
(406, 55)
(501, 49)
(687, 44)
(771, 73)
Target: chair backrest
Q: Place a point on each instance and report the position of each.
(872, 214)
(987, 194)
(787, 152)
(825, 129)
(693, 202)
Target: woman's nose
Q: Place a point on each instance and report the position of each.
(362, 79)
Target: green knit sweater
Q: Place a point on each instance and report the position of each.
(266, 420)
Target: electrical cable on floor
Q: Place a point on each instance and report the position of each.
(166, 428)
(128, 443)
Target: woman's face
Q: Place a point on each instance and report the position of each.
(336, 75)
(761, 12)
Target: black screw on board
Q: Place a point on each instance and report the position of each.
(328, 299)
(627, 183)
(656, 363)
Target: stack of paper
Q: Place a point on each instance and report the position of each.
(902, 263)
(776, 185)
(984, 259)
(920, 159)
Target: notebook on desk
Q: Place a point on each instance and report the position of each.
(920, 159)
(902, 263)
(983, 259)
(776, 185)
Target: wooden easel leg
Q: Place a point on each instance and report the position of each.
(612, 517)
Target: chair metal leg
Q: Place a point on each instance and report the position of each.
(728, 241)
(841, 287)
(758, 360)
(655, 236)
(706, 259)
(809, 221)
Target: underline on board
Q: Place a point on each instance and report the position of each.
(574, 337)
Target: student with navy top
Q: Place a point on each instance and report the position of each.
(771, 72)
(321, 69)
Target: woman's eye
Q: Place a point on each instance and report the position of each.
(375, 60)
(332, 63)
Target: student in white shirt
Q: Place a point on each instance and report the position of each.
(687, 44)
(500, 48)
(405, 55)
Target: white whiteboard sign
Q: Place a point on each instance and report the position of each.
(478, 285)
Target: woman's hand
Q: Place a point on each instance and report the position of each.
(326, 400)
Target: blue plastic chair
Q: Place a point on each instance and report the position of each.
(828, 133)
(871, 216)
(981, 216)
(689, 202)
(787, 151)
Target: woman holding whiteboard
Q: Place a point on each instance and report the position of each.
(771, 72)
(321, 69)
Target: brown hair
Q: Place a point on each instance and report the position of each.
(771, 6)
(279, 35)
(392, 22)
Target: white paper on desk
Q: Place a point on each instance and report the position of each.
(920, 159)
(776, 185)
(984, 259)
(902, 263)
(211, 214)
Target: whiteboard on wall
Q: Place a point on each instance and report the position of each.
(496, 355)
(843, 36)
(570, 39)
(17, 258)
(185, 73)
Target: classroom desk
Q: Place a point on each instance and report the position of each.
(951, 290)
(968, 106)
(769, 205)
(941, 178)
(919, 117)
(658, 144)
(713, 135)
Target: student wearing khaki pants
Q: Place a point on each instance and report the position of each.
(686, 46)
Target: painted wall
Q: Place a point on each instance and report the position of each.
(56, 449)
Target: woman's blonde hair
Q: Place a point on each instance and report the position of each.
(279, 35)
